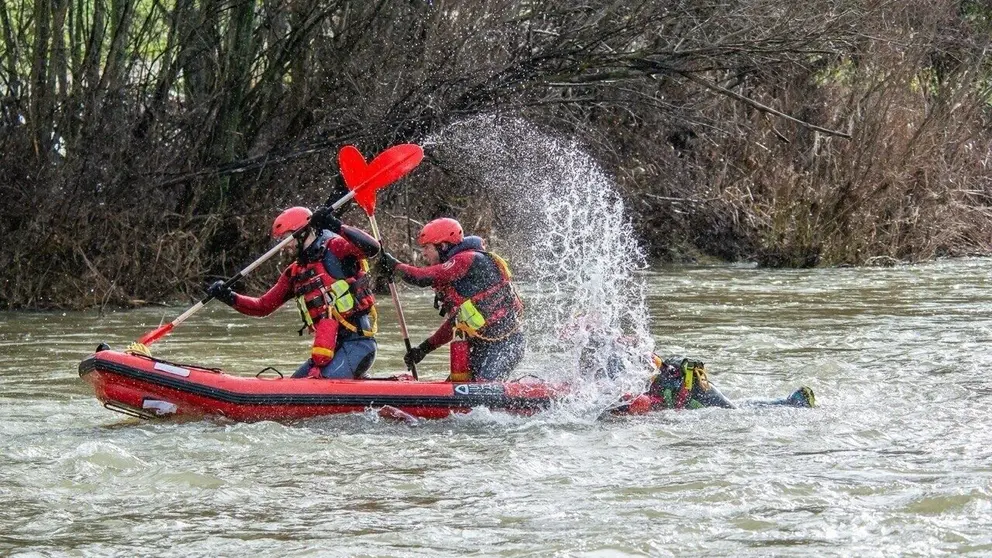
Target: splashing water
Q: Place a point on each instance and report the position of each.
(564, 227)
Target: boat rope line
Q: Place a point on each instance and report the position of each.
(456, 401)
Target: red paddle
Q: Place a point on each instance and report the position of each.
(353, 168)
(395, 162)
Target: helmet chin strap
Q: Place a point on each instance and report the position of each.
(299, 249)
(442, 251)
(302, 246)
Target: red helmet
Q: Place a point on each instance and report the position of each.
(292, 219)
(441, 230)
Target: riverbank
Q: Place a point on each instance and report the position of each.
(820, 136)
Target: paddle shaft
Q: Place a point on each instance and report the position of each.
(396, 299)
(162, 331)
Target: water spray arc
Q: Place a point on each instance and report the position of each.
(560, 220)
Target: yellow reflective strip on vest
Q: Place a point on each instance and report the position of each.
(301, 305)
(469, 319)
(343, 299)
(321, 351)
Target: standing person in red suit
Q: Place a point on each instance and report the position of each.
(473, 290)
(330, 283)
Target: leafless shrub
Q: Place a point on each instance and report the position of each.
(145, 148)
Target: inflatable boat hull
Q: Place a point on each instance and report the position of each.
(148, 388)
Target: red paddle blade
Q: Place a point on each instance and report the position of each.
(352, 164)
(156, 334)
(367, 178)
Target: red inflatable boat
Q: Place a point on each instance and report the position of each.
(146, 387)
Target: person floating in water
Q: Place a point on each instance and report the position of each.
(681, 383)
(675, 383)
(473, 289)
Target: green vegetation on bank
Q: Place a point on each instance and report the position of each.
(144, 146)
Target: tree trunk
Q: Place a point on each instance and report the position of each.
(40, 115)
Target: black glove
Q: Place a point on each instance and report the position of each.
(221, 292)
(417, 354)
(324, 219)
(387, 264)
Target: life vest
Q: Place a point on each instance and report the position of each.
(672, 387)
(323, 289)
(483, 297)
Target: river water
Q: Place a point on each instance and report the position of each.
(897, 460)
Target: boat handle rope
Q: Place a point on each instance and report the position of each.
(268, 369)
